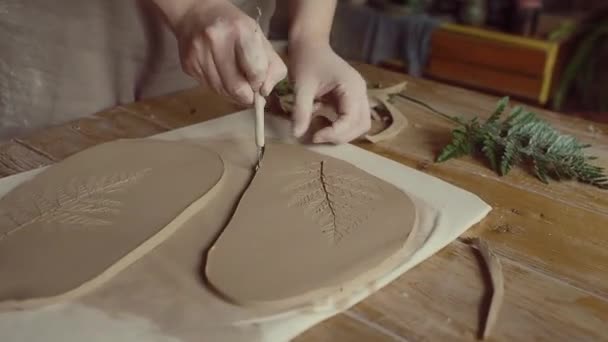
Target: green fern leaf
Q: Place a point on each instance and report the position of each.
(508, 156)
(523, 138)
(519, 117)
(284, 87)
(490, 150)
(459, 146)
(500, 108)
(540, 170)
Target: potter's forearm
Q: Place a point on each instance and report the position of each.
(311, 20)
(174, 10)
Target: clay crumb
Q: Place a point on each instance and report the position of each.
(502, 228)
(516, 211)
(423, 165)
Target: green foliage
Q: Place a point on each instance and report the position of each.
(564, 31)
(581, 68)
(284, 87)
(523, 138)
(414, 5)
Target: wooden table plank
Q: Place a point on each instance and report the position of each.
(349, 327)
(16, 158)
(182, 109)
(441, 300)
(566, 242)
(64, 140)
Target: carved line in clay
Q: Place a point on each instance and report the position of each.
(74, 203)
(337, 202)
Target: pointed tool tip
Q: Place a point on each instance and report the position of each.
(261, 150)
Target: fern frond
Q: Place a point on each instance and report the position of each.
(540, 170)
(500, 108)
(508, 156)
(284, 87)
(519, 117)
(523, 138)
(460, 146)
(490, 150)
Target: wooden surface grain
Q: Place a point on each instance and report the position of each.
(552, 239)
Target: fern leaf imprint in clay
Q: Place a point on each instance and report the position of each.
(337, 202)
(308, 225)
(81, 221)
(75, 204)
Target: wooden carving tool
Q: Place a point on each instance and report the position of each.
(259, 102)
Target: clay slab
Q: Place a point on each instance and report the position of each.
(82, 220)
(307, 225)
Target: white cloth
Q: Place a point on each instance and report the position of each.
(60, 60)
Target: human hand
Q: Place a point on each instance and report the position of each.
(317, 72)
(223, 47)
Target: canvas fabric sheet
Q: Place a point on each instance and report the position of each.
(65, 59)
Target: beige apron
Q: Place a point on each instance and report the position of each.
(60, 60)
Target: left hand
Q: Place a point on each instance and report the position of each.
(317, 71)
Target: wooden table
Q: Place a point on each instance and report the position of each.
(552, 239)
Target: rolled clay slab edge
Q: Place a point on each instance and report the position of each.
(129, 258)
(326, 293)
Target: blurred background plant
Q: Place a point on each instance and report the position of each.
(403, 6)
(415, 6)
(584, 82)
(473, 12)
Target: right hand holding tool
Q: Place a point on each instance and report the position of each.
(224, 48)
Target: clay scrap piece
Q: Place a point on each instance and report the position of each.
(81, 221)
(306, 226)
(498, 288)
(376, 94)
(397, 123)
(378, 98)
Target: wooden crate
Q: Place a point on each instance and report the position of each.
(500, 63)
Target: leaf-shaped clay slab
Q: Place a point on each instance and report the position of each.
(81, 221)
(307, 225)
